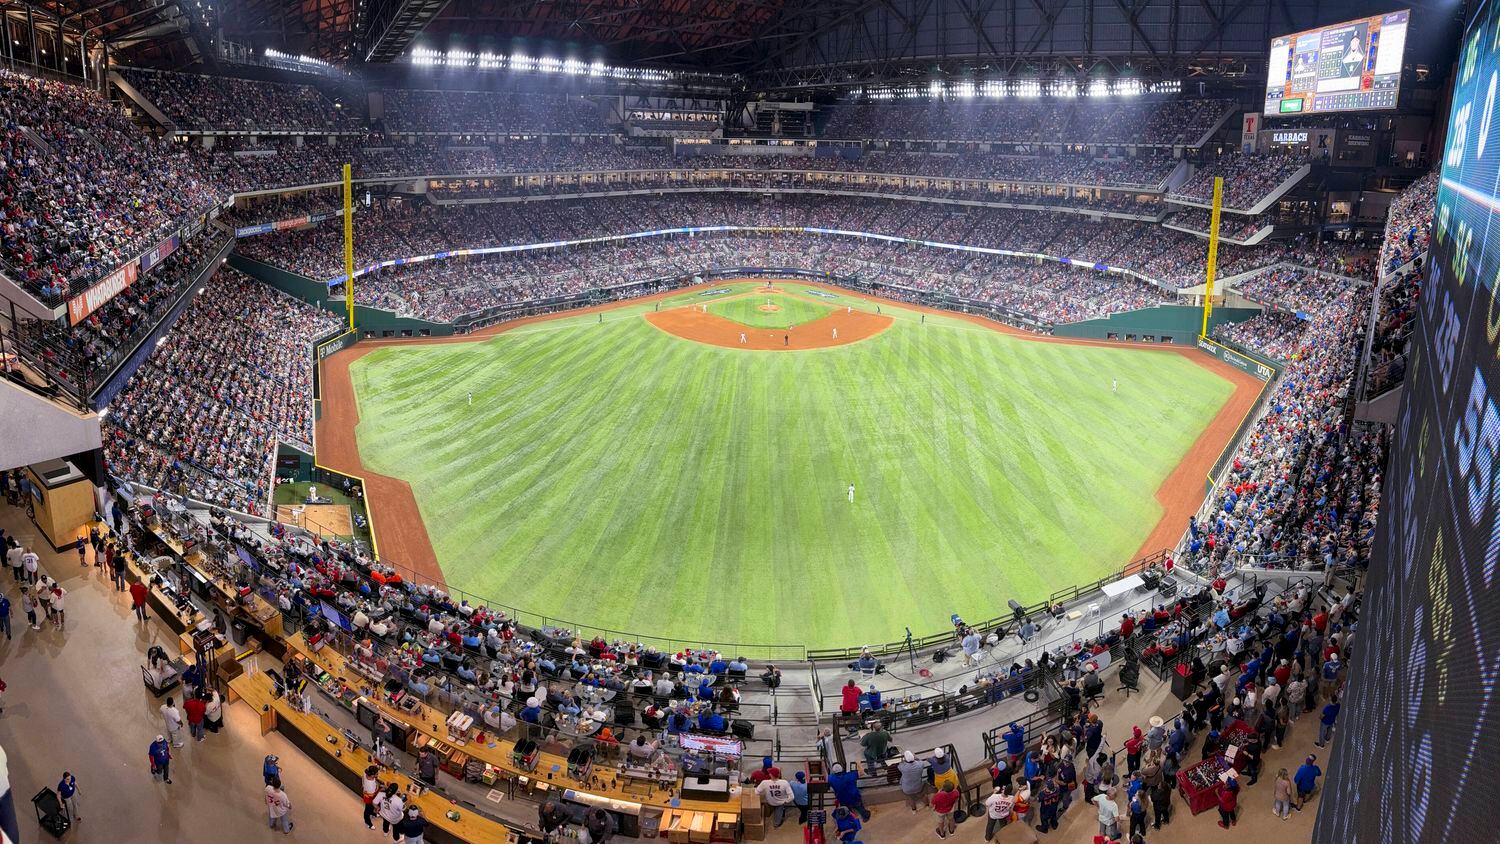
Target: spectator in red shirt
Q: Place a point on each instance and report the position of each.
(1127, 625)
(943, 803)
(138, 600)
(1283, 673)
(1229, 802)
(849, 705)
(194, 708)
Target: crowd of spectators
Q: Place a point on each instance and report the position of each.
(1298, 290)
(1247, 178)
(1233, 226)
(201, 417)
(1409, 225)
(225, 103)
(1172, 257)
(492, 113)
(87, 351)
(83, 189)
(1303, 488)
(1132, 122)
(1275, 334)
(1047, 291)
(1407, 238)
(617, 697)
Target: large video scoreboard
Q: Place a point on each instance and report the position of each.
(1413, 760)
(1352, 66)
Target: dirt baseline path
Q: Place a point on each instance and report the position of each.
(839, 328)
(402, 538)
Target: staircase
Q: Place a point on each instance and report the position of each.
(135, 96)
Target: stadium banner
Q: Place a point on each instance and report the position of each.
(1264, 370)
(284, 225)
(159, 254)
(335, 344)
(92, 299)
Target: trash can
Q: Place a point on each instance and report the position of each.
(1183, 686)
(239, 632)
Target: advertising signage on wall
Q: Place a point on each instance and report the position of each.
(92, 299)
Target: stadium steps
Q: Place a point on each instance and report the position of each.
(135, 96)
(38, 142)
(1254, 239)
(1231, 110)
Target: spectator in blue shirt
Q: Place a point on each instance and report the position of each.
(1177, 740)
(1306, 779)
(160, 754)
(738, 664)
(848, 825)
(67, 789)
(845, 785)
(718, 666)
(531, 713)
(711, 721)
(799, 795)
(1015, 743)
(1325, 724)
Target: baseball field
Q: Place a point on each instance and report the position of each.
(682, 467)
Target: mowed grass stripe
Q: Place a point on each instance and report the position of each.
(609, 474)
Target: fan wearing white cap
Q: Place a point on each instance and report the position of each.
(942, 769)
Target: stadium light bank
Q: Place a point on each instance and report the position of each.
(523, 63)
(1022, 89)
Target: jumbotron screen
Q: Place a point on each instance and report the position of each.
(1353, 66)
(1414, 757)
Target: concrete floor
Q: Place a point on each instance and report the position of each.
(75, 702)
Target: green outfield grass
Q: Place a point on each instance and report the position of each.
(615, 475)
(792, 311)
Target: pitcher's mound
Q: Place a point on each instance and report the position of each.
(770, 308)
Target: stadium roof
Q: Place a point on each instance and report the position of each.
(147, 32)
(777, 43)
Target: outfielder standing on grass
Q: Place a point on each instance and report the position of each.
(851, 493)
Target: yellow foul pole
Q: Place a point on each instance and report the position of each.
(1213, 253)
(349, 245)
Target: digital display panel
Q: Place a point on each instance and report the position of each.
(1413, 758)
(1353, 66)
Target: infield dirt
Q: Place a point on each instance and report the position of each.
(839, 328)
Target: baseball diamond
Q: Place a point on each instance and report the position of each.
(677, 484)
